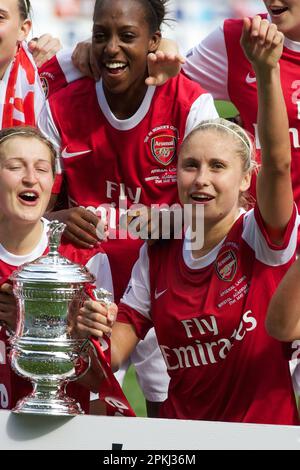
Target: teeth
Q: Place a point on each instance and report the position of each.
(28, 196)
(115, 65)
(200, 196)
(278, 9)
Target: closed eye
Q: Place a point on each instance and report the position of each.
(190, 163)
(217, 165)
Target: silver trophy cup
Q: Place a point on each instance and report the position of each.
(49, 291)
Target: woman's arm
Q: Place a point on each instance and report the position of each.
(263, 44)
(95, 319)
(283, 317)
(44, 48)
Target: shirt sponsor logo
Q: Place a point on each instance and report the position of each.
(163, 148)
(66, 154)
(226, 265)
(250, 79)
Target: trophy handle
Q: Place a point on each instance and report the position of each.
(102, 295)
(83, 360)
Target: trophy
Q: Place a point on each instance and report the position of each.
(49, 291)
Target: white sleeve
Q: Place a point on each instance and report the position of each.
(151, 369)
(264, 253)
(207, 64)
(137, 294)
(203, 108)
(99, 266)
(64, 58)
(48, 128)
(147, 358)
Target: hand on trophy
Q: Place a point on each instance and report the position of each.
(82, 226)
(96, 319)
(8, 306)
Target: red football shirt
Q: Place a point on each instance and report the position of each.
(209, 317)
(219, 64)
(108, 161)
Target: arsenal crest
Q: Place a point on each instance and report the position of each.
(226, 265)
(45, 86)
(163, 148)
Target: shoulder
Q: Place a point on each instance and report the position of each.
(80, 255)
(79, 89)
(233, 26)
(184, 89)
(182, 86)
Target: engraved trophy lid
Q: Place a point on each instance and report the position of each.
(53, 267)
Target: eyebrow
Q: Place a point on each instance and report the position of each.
(24, 159)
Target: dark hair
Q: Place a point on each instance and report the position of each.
(28, 132)
(24, 8)
(155, 12)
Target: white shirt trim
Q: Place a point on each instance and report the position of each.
(64, 58)
(16, 260)
(124, 124)
(254, 237)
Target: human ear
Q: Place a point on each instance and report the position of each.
(24, 30)
(246, 182)
(154, 41)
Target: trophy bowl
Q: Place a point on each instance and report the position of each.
(49, 291)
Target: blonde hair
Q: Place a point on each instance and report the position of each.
(245, 147)
(29, 132)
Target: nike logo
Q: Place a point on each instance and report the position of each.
(157, 295)
(250, 79)
(66, 154)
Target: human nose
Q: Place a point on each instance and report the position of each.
(29, 176)
(202, 177)
(112, 45)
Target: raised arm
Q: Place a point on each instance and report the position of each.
(262, 44)
(283, 318)
(44, 48)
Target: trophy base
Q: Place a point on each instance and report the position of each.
(55, 407)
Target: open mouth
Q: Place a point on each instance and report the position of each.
(116, 67)
(28, 196)
(276, 11)
(201, 198)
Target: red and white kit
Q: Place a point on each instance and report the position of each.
(13, 387)
(209, 317)
(109, 162)
(219, 64)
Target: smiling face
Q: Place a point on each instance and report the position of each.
(26, 180)
(286, 15)
(210, 173)
(121, 42)
(13, 29)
